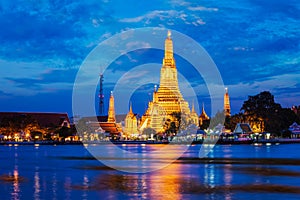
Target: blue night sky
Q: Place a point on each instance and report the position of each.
(254, 43)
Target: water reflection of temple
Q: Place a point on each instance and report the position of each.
(157, 185)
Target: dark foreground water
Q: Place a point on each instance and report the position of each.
(229, 172)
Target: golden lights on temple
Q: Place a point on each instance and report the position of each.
(167, 100)
(226, 103)
(111, 109)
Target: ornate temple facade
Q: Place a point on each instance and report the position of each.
(226, 103)
(167, 99)
(131, 127)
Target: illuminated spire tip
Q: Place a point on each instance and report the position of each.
(169, 33)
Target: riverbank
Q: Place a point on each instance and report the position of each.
(124, 142)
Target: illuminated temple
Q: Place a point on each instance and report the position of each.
(166, 106)
(167, 98)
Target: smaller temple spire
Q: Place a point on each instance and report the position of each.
(203, 113)
(193, 108)
(203, 117)
(130, 108)
(226, 103)
(194, 115)
(111, 110)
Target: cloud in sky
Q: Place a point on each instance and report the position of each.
(255, 44)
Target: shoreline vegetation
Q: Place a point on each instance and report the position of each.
(261, 121)
(152, 142)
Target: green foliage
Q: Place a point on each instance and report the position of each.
(261, 105)
(37, 134)
(170, 126)
(234, 119)
(178, 121)
(262, 108)
(65, 132)
(17, 123)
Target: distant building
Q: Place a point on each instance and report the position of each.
(108, 124)
(203, 116)
(295, 130)
(131, 124)
(44, 120)
(257, 125)
(114, 129)
(242, 128)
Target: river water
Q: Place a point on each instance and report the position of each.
(227, 172)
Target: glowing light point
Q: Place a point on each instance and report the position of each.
(169, 33)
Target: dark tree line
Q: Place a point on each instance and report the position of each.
(261, 109)
(16, 124)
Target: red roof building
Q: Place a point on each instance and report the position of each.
(43, 119)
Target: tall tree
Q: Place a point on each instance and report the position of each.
(261, 109)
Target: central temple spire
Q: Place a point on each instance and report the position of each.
(167, 98)
(168, 60)
(168, 94)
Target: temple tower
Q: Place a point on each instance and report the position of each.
(111, 110)
(167, 99)
(131, 122)
(226, 103)
(168, 93)
(194, 116)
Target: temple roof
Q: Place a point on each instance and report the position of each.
(110, 127)
(119, 118)
(43, 119)
(203, 114)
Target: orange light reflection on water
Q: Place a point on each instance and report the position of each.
(16, 185)
(166, 183)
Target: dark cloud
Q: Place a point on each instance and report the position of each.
(250, 41)
(50, 76)
(287, 90)
(54, 30)
(3, 94)
(286, 7)
(58, 101)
